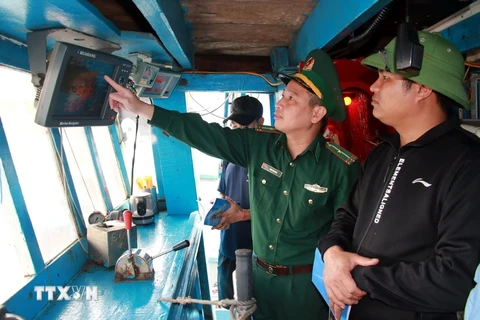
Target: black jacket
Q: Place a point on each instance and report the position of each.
(417, 209)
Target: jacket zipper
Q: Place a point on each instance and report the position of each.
(388, 174)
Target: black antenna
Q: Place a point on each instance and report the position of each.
(408, 50)
(134, 152)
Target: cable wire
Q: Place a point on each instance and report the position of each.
(273, 84)
(133, 157)
(206, 109)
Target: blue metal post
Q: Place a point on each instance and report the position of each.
(174, 160)
(272, 108)
(167, 19)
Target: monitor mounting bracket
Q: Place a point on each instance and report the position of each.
(37, 48)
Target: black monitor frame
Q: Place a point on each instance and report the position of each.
(49, 103)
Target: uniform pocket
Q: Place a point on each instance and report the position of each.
(312, 208)
(266, 186)
(312, 200)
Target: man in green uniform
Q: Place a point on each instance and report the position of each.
(296, 180)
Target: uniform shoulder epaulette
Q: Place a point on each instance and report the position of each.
(341, 153)
(269, 129)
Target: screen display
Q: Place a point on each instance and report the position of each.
(157, 87)
(148, 76)
(83, 89)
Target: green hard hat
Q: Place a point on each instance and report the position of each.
(442, 67)
(319, 76)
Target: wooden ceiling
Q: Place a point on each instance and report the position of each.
(229, 35)
(240, 27)
(238, 35)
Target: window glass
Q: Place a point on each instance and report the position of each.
(109, 165)
(83, 172)
(144, 161)
(36, 165)
(14, 274)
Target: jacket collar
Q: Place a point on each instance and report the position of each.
(315, 147)
(432, 134)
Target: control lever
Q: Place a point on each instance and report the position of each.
(8, 316)
(130, 265)
(136, 264)
(178, 246)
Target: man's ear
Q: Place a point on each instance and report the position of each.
(423, 92)
(318, 113)
(259, 122)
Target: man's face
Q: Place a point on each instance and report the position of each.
(392, 101)
(293, 112)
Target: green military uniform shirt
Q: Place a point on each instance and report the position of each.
(292, 202)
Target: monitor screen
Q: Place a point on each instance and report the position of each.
(75, 92)
(83, 89)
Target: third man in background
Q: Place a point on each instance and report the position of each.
(236, 233)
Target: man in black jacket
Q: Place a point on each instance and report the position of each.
(406, 243)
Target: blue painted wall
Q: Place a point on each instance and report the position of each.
(465, 34)
(174, 160)
(232, 82)
(22, 16)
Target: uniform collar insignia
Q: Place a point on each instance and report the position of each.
(309, 64)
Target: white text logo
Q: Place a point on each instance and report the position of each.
(87, 54)
(67, 293)
(389, 189)
(69, 123)
(420, 180)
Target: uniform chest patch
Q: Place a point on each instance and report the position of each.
(315, 188)
(272, 170)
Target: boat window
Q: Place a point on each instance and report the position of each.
(109, 164)
(36, 165)
(15, 273)
(83, 172)
(144, 160)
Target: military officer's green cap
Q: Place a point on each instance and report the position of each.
(442, 67)
(320, 77)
